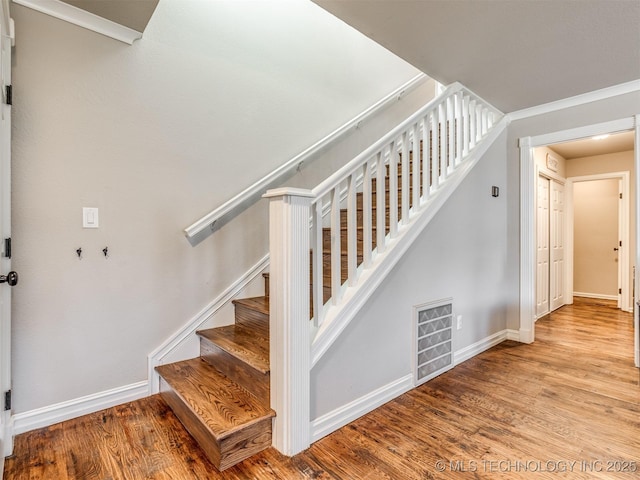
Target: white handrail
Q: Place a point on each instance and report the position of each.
(253, 193)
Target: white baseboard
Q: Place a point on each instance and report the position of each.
(513, 335)
(188, 330)
(51, 414)
(332, 421)
(599, 296)
(338, 418)
(474, 349)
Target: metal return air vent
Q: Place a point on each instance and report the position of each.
(433, 340)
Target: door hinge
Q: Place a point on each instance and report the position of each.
(620, 196)
(620, 291)
(7, 400)
(7, 247)
(8, 90)
(620, 243)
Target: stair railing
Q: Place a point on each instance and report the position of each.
(402, 174)
(418, 156)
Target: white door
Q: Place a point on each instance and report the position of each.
(6, 439)
(542, 247)
(557, 244)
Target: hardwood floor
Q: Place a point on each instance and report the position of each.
(515, 411)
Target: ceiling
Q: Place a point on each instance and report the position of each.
(513, 53)
(588, 147)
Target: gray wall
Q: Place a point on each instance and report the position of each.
(461, 254)
(215, 96)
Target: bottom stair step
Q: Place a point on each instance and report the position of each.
(228, 422)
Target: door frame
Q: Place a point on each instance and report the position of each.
(626, 302)
(527, 214)
(6, 419)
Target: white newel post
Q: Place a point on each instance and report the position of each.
(290, 341)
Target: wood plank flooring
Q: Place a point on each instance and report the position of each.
(515, 411)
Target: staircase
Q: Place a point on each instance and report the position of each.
(225, 397)
(222, 397)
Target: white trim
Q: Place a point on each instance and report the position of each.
(341, 416)
(636, 164)
(51, 414)
(247, 197)
(480, 346)
(354, 298)
(82, 18)
(527, 213)
(598, 296)
(156, 357)
(513, 335)
(594, 96)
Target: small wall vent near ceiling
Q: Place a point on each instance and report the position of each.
(433, 339)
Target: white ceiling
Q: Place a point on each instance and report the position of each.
(514, 53)
(588, 147)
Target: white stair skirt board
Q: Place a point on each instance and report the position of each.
(187, 331)
(51, 414)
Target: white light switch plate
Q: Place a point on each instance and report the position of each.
(90, 217)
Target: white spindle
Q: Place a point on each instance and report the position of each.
(336, 254)
(352, 231)
(317, 282)
(465, 125)
(473, 118)
(435, 154)
(417, 161)
(451, 137)
(367, 240)
(380, 204)
(405, 178)
(458, 122)
(485, 121)
(478, 112)
(426, 156)
(393, 190)
(443, 141)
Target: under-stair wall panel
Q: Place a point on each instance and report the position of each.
(460, 254)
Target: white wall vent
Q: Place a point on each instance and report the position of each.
(433, 346)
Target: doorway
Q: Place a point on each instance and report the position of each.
(528, 188)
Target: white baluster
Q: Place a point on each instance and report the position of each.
(316, 266)
(478, 112)
(426, 156)
(444, 154)
(417, 162)
(352, 231)
(336, 254)
(435, 151)
(465, 126)
(458, 122)
(405, 178)
(367, 240)
(473, 118)
(485, 121)
(393, 190)
(289, 328)
(380, 204)
(450, 132)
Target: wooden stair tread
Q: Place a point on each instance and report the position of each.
(223, 406)
(249, 345)
(259, 304)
